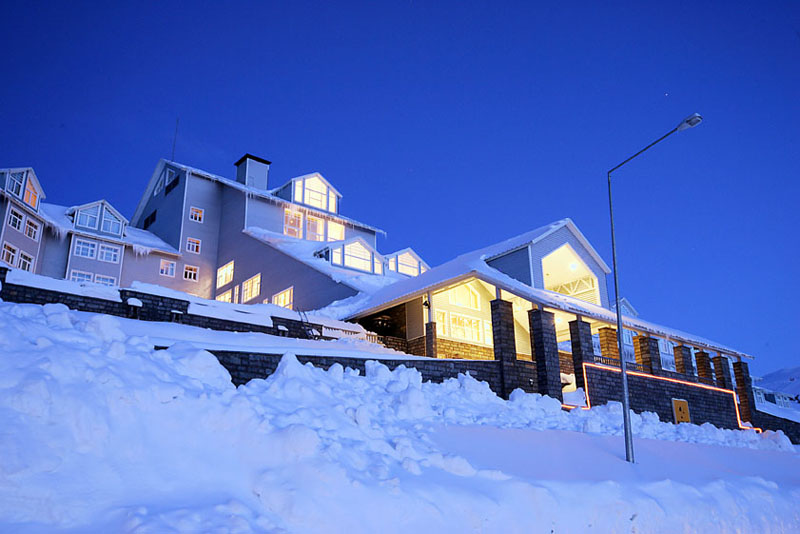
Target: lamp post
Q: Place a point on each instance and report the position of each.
(689, 122)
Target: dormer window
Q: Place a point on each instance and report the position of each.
(14, 183)
(407, 263)
(31, 195)
(111, 223)
(89, 217)
(357, 256)
(315, 192)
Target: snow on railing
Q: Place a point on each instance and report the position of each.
(338, 333)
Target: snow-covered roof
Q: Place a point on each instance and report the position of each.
(410, 251)
(473, 265)
(104, 202)
(57, 218)
(251, 191)
(304, 251)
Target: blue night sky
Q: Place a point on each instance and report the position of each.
(452, 126)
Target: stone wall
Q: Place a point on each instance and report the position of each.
(245, 366)
(767, 421)
(448, 348)
(655, 394)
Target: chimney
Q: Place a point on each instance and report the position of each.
(252, 171)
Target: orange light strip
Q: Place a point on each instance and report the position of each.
(667, 379)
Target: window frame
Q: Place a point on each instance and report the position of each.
(113, 219)
(12, 213)
(21, 184)
(222, 270)
(290, 291)
(196, 214)
(73, 272)
(29, 258)
(225, 296)
(29, 223)
(170, 271)
(191, 269)
(249, 292)
(8, 248)
(193, 241)
(81, 242)
(328, 234)
(289, 213)
(451, 294)
(111, 279)
(31, 191)
(116, 250)
(97, 217)
(319, 223)
(355, 258)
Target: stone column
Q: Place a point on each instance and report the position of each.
(704, 367)
(683, 360)
(722, 372)
(505, 346)
(545, 353)
(744, 389)
(608, 342)
(430, 339)
(580, 334)
(647, 354)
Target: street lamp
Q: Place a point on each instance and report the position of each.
(689, 122)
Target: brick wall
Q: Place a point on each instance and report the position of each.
(768, 421)
(416, 346)
(448, 348)
(652, 394)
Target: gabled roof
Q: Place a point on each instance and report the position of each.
(104, 202)
(250, 191)
(305, 252)
(309, 175)
(30, 174)
(473, 265)
(410, 251)
(534, 236)
(57, 218)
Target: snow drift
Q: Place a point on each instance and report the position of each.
(101, 433)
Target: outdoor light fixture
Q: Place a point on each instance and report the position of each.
(689, 122)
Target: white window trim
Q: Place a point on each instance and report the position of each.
(222, 296)
(31, 262)
(245, 298)
(16, 253)
(112, 247)
(199, 245)
(99, 218)
(21, 216)
(36, 225)
(229, 280)
(111, 278)
(73, 271)
(9, 181)
(202, 214)
(196, 272)
(451, 297)
(289, 289)
(75, 248)
(113, 219)
(174, 268)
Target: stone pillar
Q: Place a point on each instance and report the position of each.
(744, 389)
(608, 342)
(430, 339)
(505, 346)
(722, 372)
(545, 353)
(704, 367)
(647, 354)
(683, 360)
(580, 334)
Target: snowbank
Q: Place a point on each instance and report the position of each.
(100, 433)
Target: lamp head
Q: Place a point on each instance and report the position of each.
(690, 122)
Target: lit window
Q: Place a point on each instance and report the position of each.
(224, 297)
(85, 249)
(315, 228)
(9, 254)
(422, 268)
(441, 322)
(357, 256)
(14, 183)
(336, 256)
(80, 276)
(32, 230)
(31, 195)
(298, 191)
(190, 273)
(88, 217)
(225, 274)
(167, 268)
(25, 261)
(466, 328)
(464, 296)
(316, 193)
(407, 264)
(15, 219)
(108, 253)
(196, 214)
(293, 223)
(488, 337)
(111, 223)
(392, 264)
(335, 231)
(377, 266)
(105, 280)
(331, 201)
(193, 245)
(285, 298)
(251, 288)
(235, 294)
